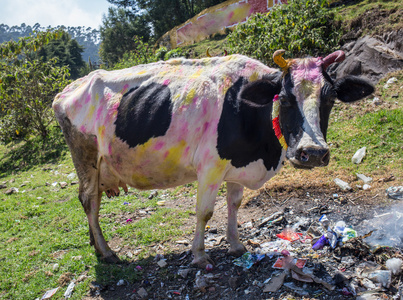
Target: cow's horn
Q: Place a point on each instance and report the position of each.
(337, 56)
(208, 53)
(225, 52)
(279, 60)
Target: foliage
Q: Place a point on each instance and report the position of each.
(160, 53)
(163, 15)
(86, 37)
(68, 53)
(302, 27)
(119, 34)
(178, 52)
(27, 87)
(143, 54)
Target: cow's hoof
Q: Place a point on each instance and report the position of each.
(237, 250)
(111, 258)
(202, 261)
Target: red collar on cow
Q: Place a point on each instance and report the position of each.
(276, 122)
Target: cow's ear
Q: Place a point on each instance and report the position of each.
(260, 92)
(352, 88)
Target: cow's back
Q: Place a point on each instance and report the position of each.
(155, 125)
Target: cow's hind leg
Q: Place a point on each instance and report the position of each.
(234, 199)
(91, 204)
(84, 152)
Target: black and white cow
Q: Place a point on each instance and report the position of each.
(217, 119)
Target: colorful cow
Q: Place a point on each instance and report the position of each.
(169, 123)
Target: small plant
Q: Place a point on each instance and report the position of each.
(160, 53)
(142, 54)
(302, 27)
(178, 52)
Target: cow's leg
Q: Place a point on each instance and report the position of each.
(91, 203)
(206, 197)
(234, 198)
(84, 152)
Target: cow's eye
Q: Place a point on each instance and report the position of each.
(284, 101)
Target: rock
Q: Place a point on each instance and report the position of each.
(371, 56)
(2, 186)
(55, 267)
(162, 263)
(11, 191)
(235, 282)
(120, 282)
(153, 194)
(142, 293)
(63, 184)
(184, 273)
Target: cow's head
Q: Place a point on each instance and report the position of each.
(304, 104)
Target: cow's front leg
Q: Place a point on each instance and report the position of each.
(234, 199)
(206, 197)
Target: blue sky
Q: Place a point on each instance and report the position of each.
(53, 12)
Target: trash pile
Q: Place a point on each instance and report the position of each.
(289, 257)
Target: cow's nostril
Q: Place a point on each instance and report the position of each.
(325, 157)
(304, 156)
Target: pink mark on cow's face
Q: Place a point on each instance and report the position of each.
(307, 69)
(88, 98)
(110, 149)
(99, 112)
(83, 129)
(159, 145)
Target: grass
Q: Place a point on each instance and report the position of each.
(44, 224)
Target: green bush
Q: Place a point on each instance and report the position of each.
(174, 53)
(160, 53)
(28, 86)
(301, 27)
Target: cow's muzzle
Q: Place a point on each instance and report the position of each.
(309, 158)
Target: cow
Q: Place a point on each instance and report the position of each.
(222, 119)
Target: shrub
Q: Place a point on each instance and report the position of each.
(142, 54)
(160, 53)
(27, 88)
(178, 52)
(302, 27)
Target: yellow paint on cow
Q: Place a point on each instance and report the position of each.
(190, 96)
(90, 113)
(254, 77)
(96, 97)
(173, 158)
(141, 72)
(101, 131)
(141, 181)
(196, 74)
(216, 173)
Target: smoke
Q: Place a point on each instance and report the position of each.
(387, 227)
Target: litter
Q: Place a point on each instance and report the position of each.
(275, 283)
(394, 265)
(247, 260)
(289, 235)
(395, 192)
(70, 289)
(342, 184)
(49, 294)
(359, 155)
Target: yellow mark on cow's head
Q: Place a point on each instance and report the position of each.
(254, 77)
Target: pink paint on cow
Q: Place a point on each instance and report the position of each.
(88, 98)
(166, 82)
(99, 112)
(159, 145)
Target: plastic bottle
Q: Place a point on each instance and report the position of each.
(359, 155)
(342, 184)
(320, 243)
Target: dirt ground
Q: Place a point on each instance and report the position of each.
(295, 200)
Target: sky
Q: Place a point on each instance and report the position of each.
(86, 13)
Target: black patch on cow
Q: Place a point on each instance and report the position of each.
(245, 131)
(144, 112)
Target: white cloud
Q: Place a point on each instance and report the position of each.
(53, 13)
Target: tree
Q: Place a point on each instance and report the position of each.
(28, 86)
(119, 32)
(68, 53)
